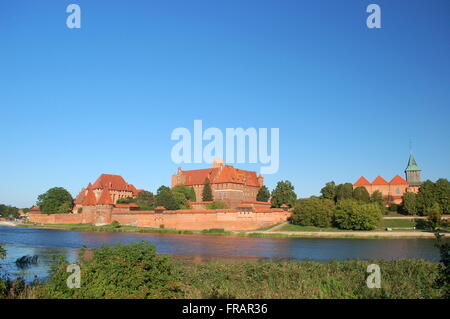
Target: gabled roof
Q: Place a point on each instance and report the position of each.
(226, 174)
(397, 180)
(379, 181)
(90, 199)
(412, 165)
(113, 182)
(105, 197)
(362, 181)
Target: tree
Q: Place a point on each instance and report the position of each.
(344, 191)
(56, 200)
(217, 205)
(442, 194)
(360, 193)
(409, 204)
(207, 195)
(443, 279)
(166, 198)
(351, 214)
(314, 211)
(329, 191)
(9, 211)
(377, 198)
(187, 191)
(145, 200)
(263, 194)
(180, 199)
(434, 216)
(283, 194)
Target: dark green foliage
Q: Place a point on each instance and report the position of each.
(263, 194)
(9, 211)
(180, 200)
(434, 216)
(56, 200)
(126, 200)
(351, 214)
(344, 191)
(207, 195)
(329, 191)
(360, 193)
(187, 191)
(430, 192)
(409, 204)
(217, 205)
(377, 198)
(166, 198)
(313, 212)
(442, 194)
(115, 224)
(120, 271)
(283, 194)
(443, 279)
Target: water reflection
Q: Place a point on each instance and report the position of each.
(200, 248)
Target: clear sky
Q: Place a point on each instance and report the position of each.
(75, 103)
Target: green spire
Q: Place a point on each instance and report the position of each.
(412, 165)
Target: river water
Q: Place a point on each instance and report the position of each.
(48, 243)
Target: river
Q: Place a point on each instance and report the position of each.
(48, 243)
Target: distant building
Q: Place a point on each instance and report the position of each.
(106, 190)
(393, 191)
(230, 185)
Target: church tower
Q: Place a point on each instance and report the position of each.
(412, 172)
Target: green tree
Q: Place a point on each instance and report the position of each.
(187, 191)
(9, 211)
(351, 214)
(443, 279)
(344, 191)
(329, 191)
(180, 199)
(377, 198)
(217, 205)
(442, 194)
(164, 197)
(207, 195)
(360, 193)
(409, 204)
(145, 200)
(263, 194)
(313, 211)
(434, 216)
(425, 197)
(56, 200)
(283, 194)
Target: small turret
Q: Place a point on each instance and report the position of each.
(412, 172)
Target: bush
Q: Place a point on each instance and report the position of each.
(313, 212)
(434, 216)
(115, 224)
(120, 271)
(351, 214)
(217, 205)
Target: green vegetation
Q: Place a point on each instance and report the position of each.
(56, 200)
(360, 193)
(171, 200)
(187, 191)
(429, 194)
(137, 271)
(283, 194)
(351, 214)
(217, 205)
(263, 194)
(207, 195)
(8, 211)
(313, 211)
(443, 279)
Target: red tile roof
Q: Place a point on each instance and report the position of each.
(216, 175)
(362, 181)
(90, 199)
(114, 182)
(397, 180)
(105, 197)
(379, 181)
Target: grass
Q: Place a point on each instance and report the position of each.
(308, 279)
(397, 223)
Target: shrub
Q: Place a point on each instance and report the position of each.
(434, 215)
(313, 212)
(351, 214)
(217, 205)
(360, 193)
(115, 224)
(120, 271)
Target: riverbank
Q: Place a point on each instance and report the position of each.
(142, 273)
(282, 230)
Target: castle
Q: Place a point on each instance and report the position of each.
(393, 191)
(229, 185)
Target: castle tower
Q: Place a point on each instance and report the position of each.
(412, 172)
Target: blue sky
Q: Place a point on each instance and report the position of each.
(75, 103)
